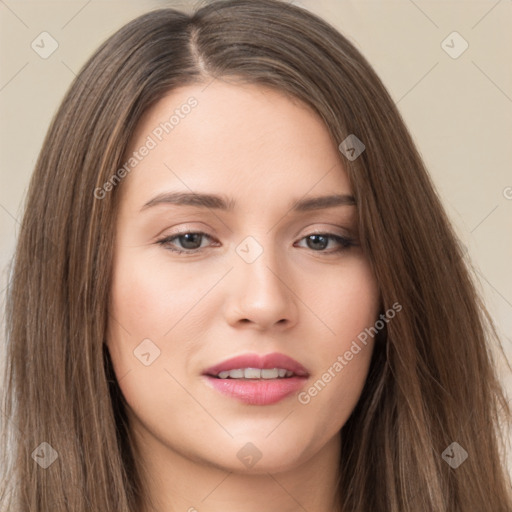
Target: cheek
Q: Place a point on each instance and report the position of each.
(147, 303)
(347, 302)
(155, 309)
(350, 309)
(149, 298)
(139, 315)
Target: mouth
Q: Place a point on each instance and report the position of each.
(257, 380)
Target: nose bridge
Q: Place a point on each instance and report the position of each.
(259, 263)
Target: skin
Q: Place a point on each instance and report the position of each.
(262, 149)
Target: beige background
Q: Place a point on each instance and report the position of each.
(459, 110)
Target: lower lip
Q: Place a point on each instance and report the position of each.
(257, 392)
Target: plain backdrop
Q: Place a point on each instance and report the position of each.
(445, 63)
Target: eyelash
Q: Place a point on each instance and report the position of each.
(346, 243)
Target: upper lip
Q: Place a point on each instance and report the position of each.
(267, 361)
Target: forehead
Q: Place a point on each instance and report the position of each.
(243, 140)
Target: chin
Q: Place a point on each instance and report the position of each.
(258, 455)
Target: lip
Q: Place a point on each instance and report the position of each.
(258, 392)
(268, 361)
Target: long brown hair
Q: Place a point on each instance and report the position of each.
(432, 380)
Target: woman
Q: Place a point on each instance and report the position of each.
(325, 349)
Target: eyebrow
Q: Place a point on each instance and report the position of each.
(219, 202)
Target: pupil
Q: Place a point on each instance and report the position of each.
(189, 238)
(315, 238)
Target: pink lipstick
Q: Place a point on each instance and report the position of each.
(257, 380)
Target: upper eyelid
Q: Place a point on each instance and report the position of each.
(349, 229)
(313, 231)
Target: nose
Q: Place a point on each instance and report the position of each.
(261, 293)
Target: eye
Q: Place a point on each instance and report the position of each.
(189, 239)
(319, 241)
(190, 242)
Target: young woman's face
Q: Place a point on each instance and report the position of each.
(264, 278)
